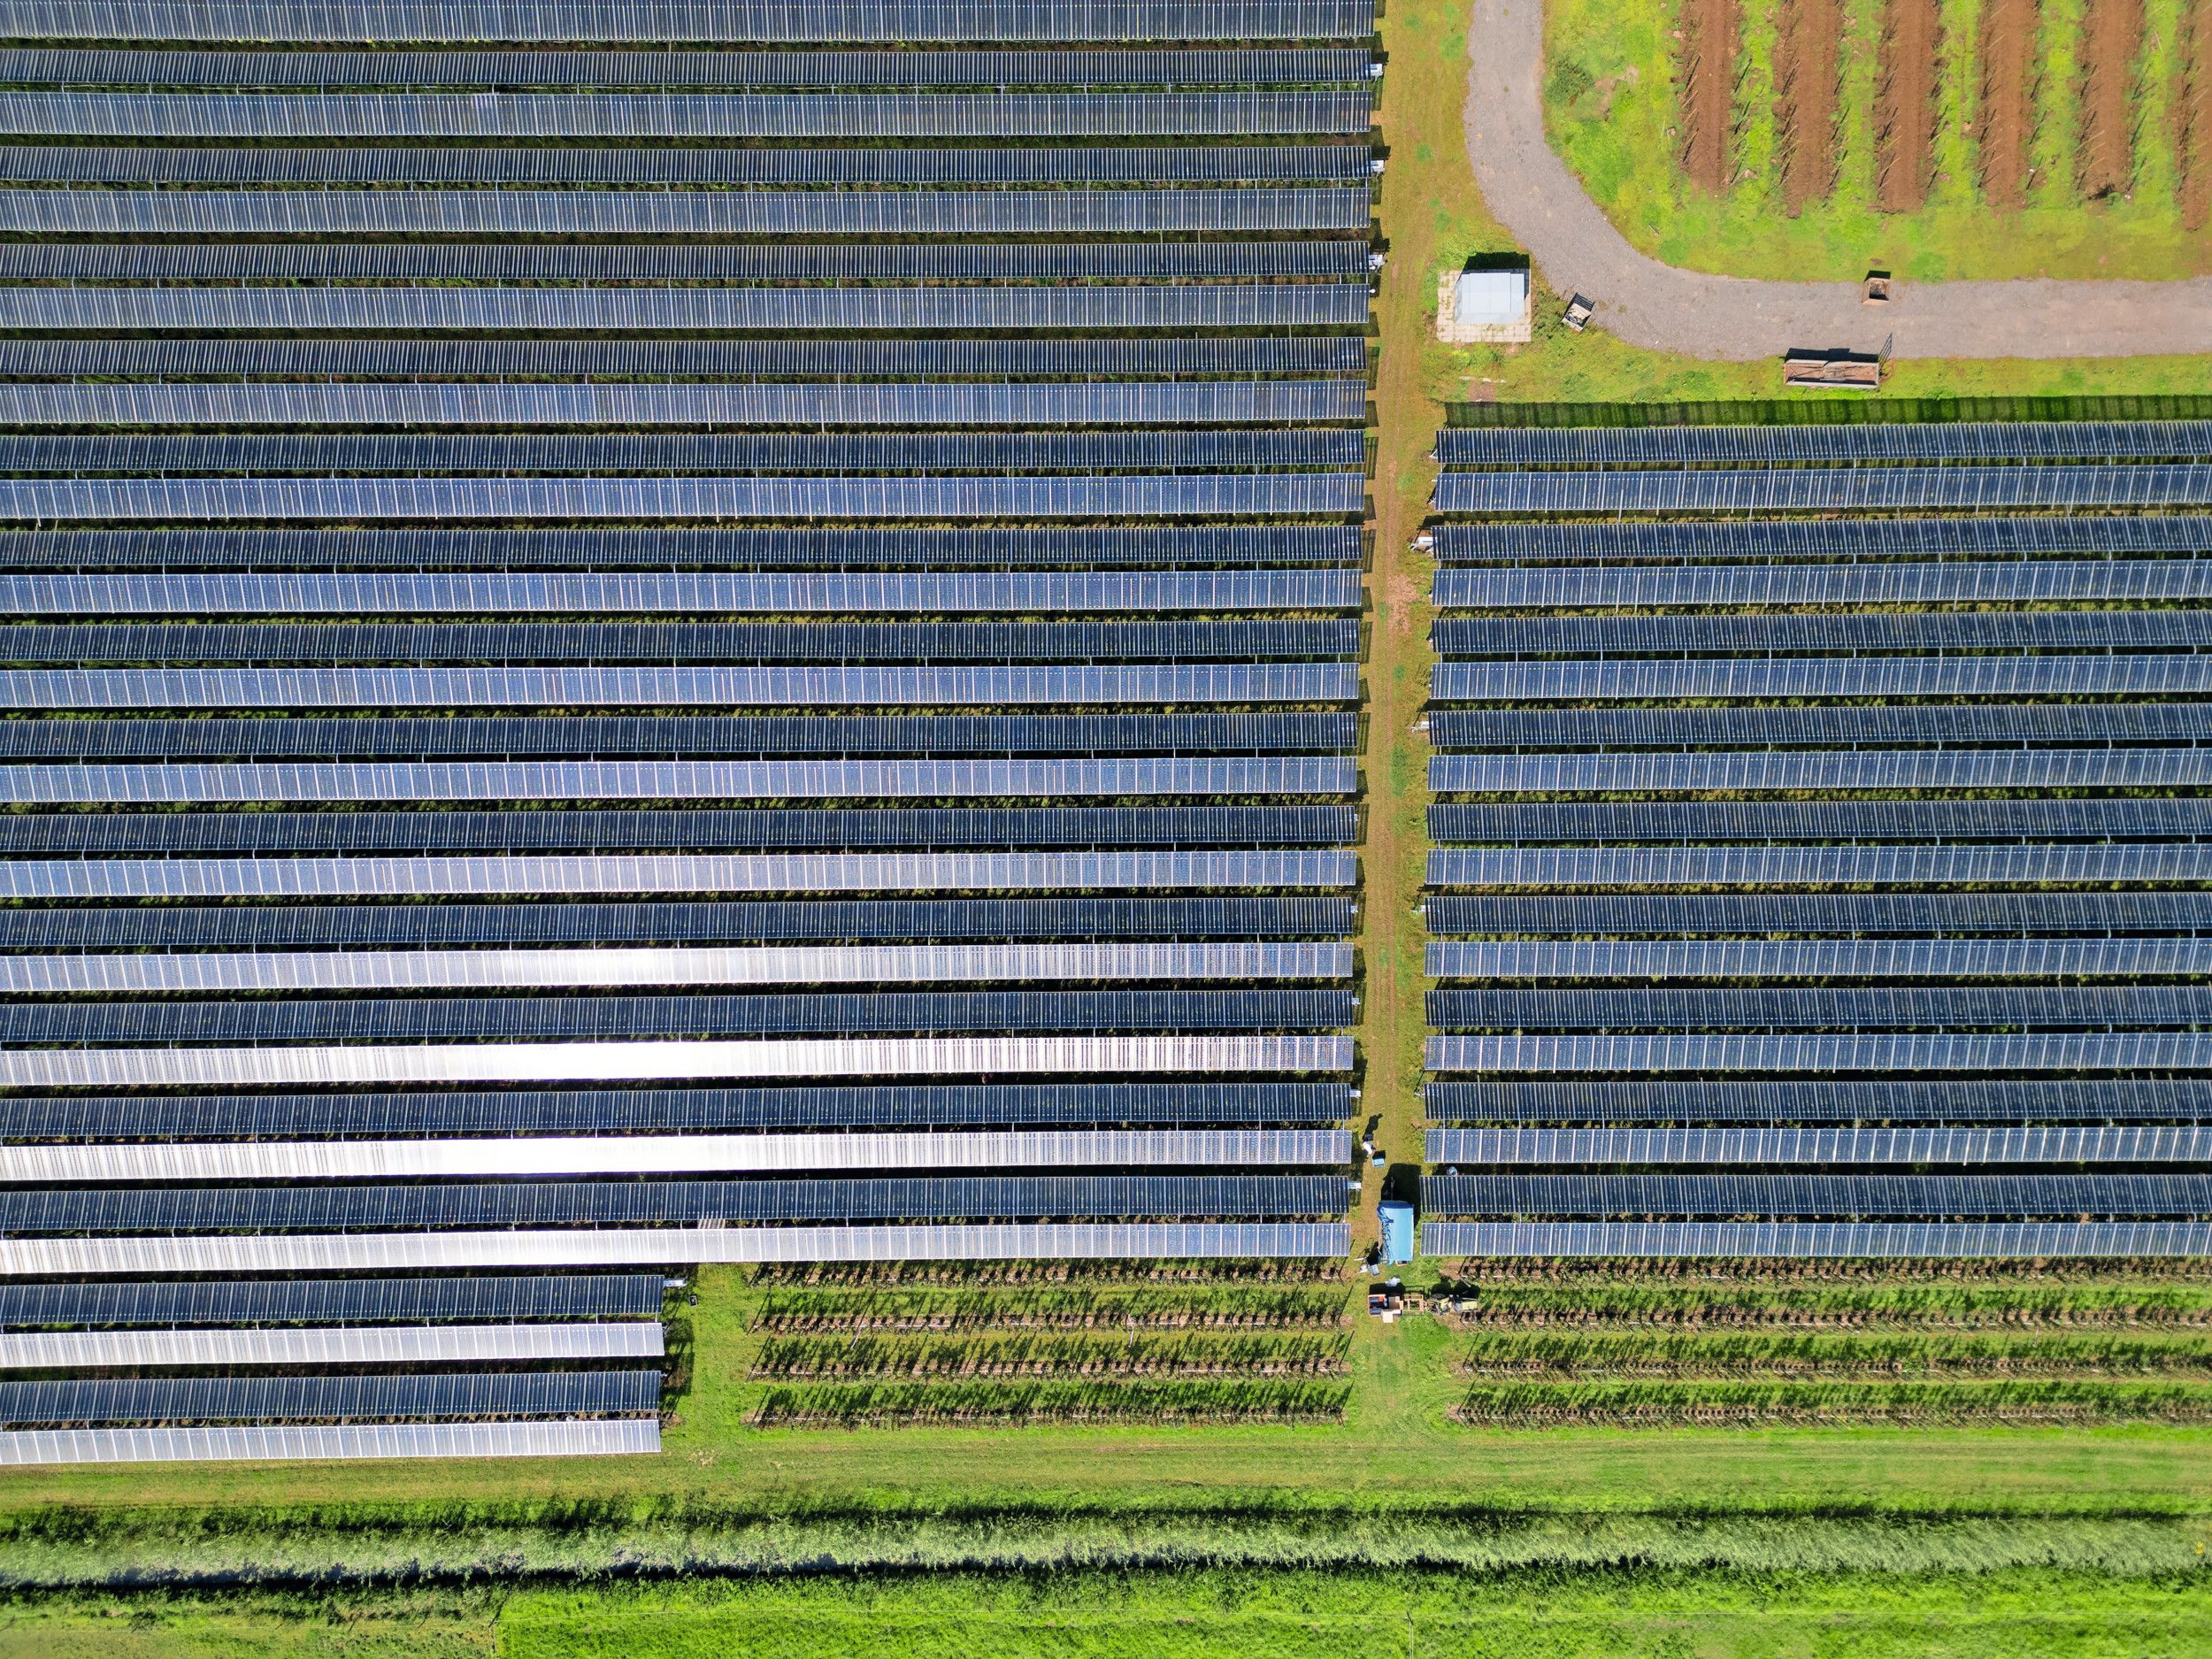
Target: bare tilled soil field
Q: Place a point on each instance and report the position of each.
(2007, 102)
(1806, 64)
(2194, 109)
(2112, 35)
(1905, 117)
(1708, 79)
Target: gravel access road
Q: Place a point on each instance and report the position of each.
(1533, 195)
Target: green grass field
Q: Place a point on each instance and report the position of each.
(1610, 101)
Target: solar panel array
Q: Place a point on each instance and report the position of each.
(825, 537)
(1829, 884)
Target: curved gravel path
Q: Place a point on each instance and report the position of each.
(1533, 195)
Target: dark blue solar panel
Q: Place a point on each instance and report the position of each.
(349, 1399)
(2100, 1100)
(331, 1301)
(1891, 1009)
(1817, 1194)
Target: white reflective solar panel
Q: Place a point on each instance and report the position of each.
(649, 873)
(614, 1155)
(1816, 866)
(662, 1061)
(775, 964)
(604, 1437)
(667, 1246)
(329, 1345)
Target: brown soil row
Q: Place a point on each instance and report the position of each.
(2006, 119)
(1905, 103)
(2112, 34)
(1806, 64)
(2193, 108)
(1708, 79)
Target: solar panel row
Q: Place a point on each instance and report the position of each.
(1070, 405)
(1915, 734)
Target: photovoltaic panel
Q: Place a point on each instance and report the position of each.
(2039, 1239)
(675, 262)
(1735, 586)
(1981, 535)
(587, 1437)
(1840, 959)
(2147, 674)
(660, 1203)
(650, 22)
(1931, 819)
(1770, 1102)
(1878, 441)
(288, 1302)
(1773, 770)
(1964, 487)
(2008, 723)
(1753, 632)
(1086, 548)
(2131, 1144)
(2086, 865)
(1795, 1007)
(608, 1248)
(1841, 1195)
(217, 1398)
(683, 829)
(1674, 918)
(1934, 1054)
(373, 1345)
(628, 1111)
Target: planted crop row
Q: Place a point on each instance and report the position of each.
(1625, 1354)
(1953, 1307)
(1655, 1404)
(863, 1405)
(1066, 1310)
(875, 1275)
(1308, 1356)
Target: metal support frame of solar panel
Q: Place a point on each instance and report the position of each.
(462, 357)
(571, 876)
(1983, 1101)
(700, 828)
(751, 643)
(1172, 450)
(681, 262)
(1084, 547)
(1768, 1146)
(1741, 586)
(629, 1246)
(1878, 441)
(352, 1301)
(127, 500)
(652, 22)
(1694, 540)
(839, 1153)
(335, 1398)
(2129, 1195)
(221, 71)
(692, 735)
(1230, 164)
(2039, 1239)
(1273, 917)
(589, 1436)
(555, 1203)
(1819, 489)
(331, 1344)
(853, 593)
(664, 1111)
(130, 690)
(597, 966)
(1763, 1053)
(1134, 307)
(1798, 1007)
(1990, 818)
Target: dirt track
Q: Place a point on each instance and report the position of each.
(1534, 195)
(1905, 113)
(1805, 65)
(1707, 75)
(2112, 34)
(2005, 118)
